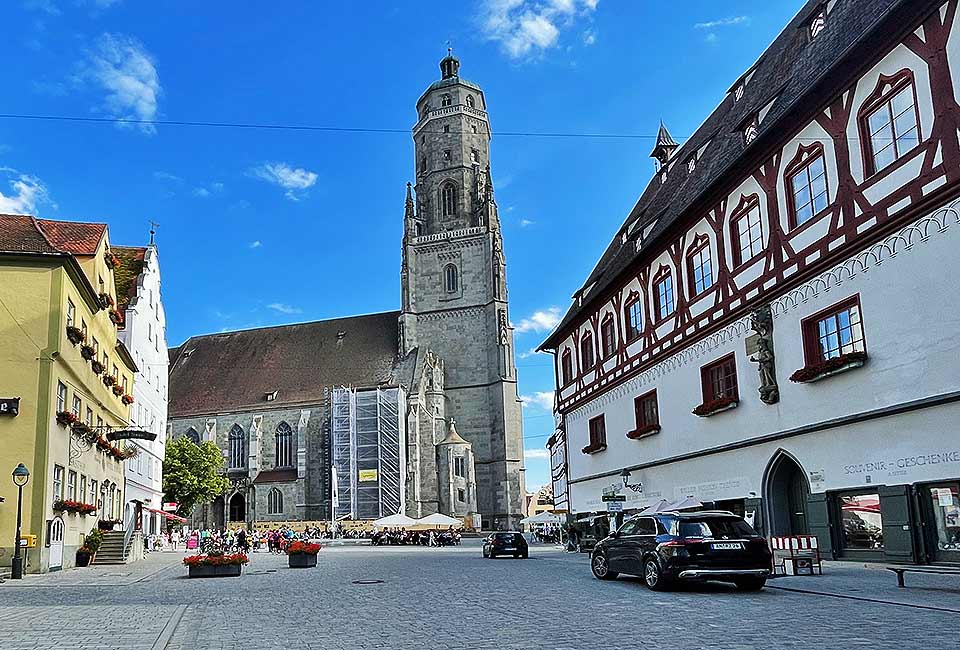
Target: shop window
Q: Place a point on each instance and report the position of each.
(945, 503)
(633, 317)
(586, 352)
(608, 337)
(833, 333)
(862, 522)
(699, 266)
(663, 288)
(890, 121)
(566, 367)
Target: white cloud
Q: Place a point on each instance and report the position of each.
(540, 321)
(255, 244)
(202, 192)
(589, 37)
(526, 222)
(28, 193)
(536, 453)
(530, 26)
(127, 72)
(710, 38)
(207, 192)
(167, 176)
(284, 308)
(293, 179)
(723, 22)
(541, 399)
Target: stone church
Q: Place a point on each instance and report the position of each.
(412, 411)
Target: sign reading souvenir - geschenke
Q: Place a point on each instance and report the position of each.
(9, 406)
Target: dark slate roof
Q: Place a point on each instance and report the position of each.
(126, 273)
(789, 69)
(235, 370)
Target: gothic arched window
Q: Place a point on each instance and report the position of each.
(237, 447)
(274, 502)
(193, 436)
(446, 100)
(451, 279)
(470, 101)
(284, 447)
(448, 200)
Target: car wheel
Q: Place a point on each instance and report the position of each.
(750, 584)
(525, 555)
(492, 555)
(653, 577)
(600, 568)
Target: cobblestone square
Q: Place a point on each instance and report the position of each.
(454, 598)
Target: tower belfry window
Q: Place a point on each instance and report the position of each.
(446, 100)
(448, 200)
(451, 279)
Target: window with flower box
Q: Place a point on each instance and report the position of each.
(71, 313)
(890, 121)
(57, 483)
(747, 228)
(646, 415)
(77, 406)
(586, 352)
(699, 266)
(718, 384)
(608, 337)
(93, 492)
(663, 289)
(598, 435)
(61, 397)
(633, 317)
(833, 341)
(566, 367)
(72, 485)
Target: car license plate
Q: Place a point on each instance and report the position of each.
(727, 546)
(508, 548)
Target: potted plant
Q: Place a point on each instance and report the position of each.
(66, 418)
(87, 351)
(215, 564)
(117, 390)
(116, 317)
(302, 555)
(127, 399)
(74, 334)
(111, 260)
(97, 366)
(84, 556)
(109, 380)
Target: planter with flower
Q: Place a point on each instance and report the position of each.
(106, 301)
(111, 260)
(643, 432)
(73, 507)
(102, 443)
(116, 317)
(715, 406)
(828, 368)
(127, 399)
(109, 380)
(97, 367)
(87, 352)
(74, 334)
(66, 418)
(215, 564)
(117, 390)
(301, 555)
(84, 556)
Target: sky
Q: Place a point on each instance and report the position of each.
(266, 226)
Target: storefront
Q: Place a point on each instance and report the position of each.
(939, 506)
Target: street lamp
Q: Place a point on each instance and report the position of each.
(625, 475)
(20, 477)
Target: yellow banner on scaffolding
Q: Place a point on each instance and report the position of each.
(367, 475)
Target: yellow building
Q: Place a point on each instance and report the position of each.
(59, 354)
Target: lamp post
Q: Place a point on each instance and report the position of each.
(20, 477)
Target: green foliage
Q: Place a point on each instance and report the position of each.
(93, 540)
(192, 474)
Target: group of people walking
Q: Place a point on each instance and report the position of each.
(402, 537)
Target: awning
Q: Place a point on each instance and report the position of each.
(168, 515)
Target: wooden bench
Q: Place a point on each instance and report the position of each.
(943, 570)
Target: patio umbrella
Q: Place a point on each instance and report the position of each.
(438, 520)
(660, 506)
(392, 521)
(542, 518)
(687, 503)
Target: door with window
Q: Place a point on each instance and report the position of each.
(643, 541)
(617, 547)
(56, 544)
(943, 521)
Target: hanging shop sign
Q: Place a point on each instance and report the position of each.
(131, 434)
(10, 406)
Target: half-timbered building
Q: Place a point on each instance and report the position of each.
(771, 330)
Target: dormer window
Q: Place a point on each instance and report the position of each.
(750, 132)
(691, 164)
(818, 24)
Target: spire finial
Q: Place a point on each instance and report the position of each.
(153, 230)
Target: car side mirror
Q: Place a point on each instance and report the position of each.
(614, 534)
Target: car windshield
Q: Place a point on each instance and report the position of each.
(506, 537)
(715, 527)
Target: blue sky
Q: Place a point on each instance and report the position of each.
(261, 227)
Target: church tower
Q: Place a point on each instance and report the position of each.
(454, 286)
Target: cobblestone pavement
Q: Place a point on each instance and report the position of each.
(439, 598)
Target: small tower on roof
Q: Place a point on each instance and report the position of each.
(449, 65)
(665, 146)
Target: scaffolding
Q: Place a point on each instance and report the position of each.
(369, 446)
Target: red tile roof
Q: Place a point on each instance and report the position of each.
(74, 237)
(19, 234)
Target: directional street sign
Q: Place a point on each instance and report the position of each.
(613, 497)
(614, 506)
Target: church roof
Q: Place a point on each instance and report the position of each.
(453, 437)
(237, 370)
(792, 76)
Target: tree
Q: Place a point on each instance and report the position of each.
(192, 474)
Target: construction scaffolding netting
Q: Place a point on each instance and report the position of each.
(369, 464)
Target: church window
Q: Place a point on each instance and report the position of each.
(633, 317)
(473, 127)
(470, 101)
(284, 445)
(474, 156)
(274, 502)
(237, 447)
(448, 200)
(461, 495)
(566, 367)
(608, 337)
(446, 155)
(446, 128)
(446, 100)
(586, 351)
(193, 436)
(458, 467)
(890, 121)
(451, 279)
(663, 285)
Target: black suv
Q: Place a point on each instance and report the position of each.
(670, 546)
(511, 543)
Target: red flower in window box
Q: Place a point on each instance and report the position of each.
(593, 449)
(106, 301)
(87, 352)
(75, 334)
(103, 444)
(117, 390)
(97, 367)
(127, 399)
(116, 317)
(66, 418)
(829, 367)
(716, 406)
(112, 260)
(643, 431)
(109, 380)
(301, 547)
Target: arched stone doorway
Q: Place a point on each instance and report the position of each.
(238, 508)
(785, 494)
